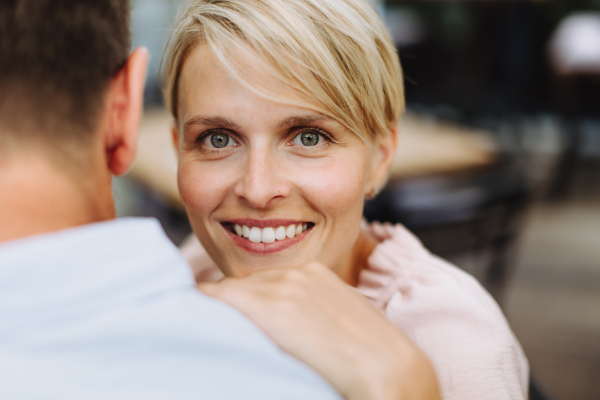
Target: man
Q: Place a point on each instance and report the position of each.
(92, 307)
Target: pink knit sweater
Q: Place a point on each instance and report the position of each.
(442, 309)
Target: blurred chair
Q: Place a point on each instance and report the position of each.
(474, 213)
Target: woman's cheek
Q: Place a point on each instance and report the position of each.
(336, 188)
(201, 188)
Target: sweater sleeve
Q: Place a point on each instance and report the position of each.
(449, 315)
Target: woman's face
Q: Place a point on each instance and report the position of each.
(267, 185)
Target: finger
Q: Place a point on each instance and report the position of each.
(227, 290)
(239, 293)
(208, 288)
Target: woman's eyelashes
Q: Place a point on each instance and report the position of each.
(311, 138)
(215, 141)
(303, 139)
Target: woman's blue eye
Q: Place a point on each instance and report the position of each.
(307, 139)
(219, 140)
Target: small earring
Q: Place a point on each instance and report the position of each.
(374, 193)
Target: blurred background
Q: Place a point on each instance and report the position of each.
(498, 168)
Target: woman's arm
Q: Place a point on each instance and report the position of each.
(311, 314)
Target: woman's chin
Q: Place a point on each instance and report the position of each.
(242, 270)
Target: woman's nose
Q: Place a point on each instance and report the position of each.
(262, 181)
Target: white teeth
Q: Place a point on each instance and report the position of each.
(268, 235)
(280, 233)
(255, 235)
(291, 231)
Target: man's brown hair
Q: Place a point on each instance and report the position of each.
(56, 60)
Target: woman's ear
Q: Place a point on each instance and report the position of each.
(175, 138)
(125, 101)
(384, 151)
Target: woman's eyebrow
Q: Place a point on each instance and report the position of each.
(211, 121)
(301, 121)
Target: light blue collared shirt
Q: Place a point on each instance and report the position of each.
(110, 311)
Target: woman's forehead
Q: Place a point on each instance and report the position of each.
(209, 91)
(205, 78)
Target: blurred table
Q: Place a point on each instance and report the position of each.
(426, 147)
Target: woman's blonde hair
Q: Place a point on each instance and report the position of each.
(335, 56)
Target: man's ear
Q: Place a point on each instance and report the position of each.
(125, 101)
(384, 152)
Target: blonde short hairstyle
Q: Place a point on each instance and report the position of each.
(335, 56)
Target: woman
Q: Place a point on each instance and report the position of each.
(285, 121)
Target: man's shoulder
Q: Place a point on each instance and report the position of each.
(114, 307)
(177, 343)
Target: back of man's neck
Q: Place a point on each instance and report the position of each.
(38, 197)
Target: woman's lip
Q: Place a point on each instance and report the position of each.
(265, 248)
(265, 223)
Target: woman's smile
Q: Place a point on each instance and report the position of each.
(266, 236)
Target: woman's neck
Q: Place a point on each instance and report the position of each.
(356, 259)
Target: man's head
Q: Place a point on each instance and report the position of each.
(70, 94)
(57, 58)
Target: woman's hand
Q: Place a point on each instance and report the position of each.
(312, 315)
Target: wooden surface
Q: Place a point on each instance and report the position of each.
(429, 147)
(426, 147)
